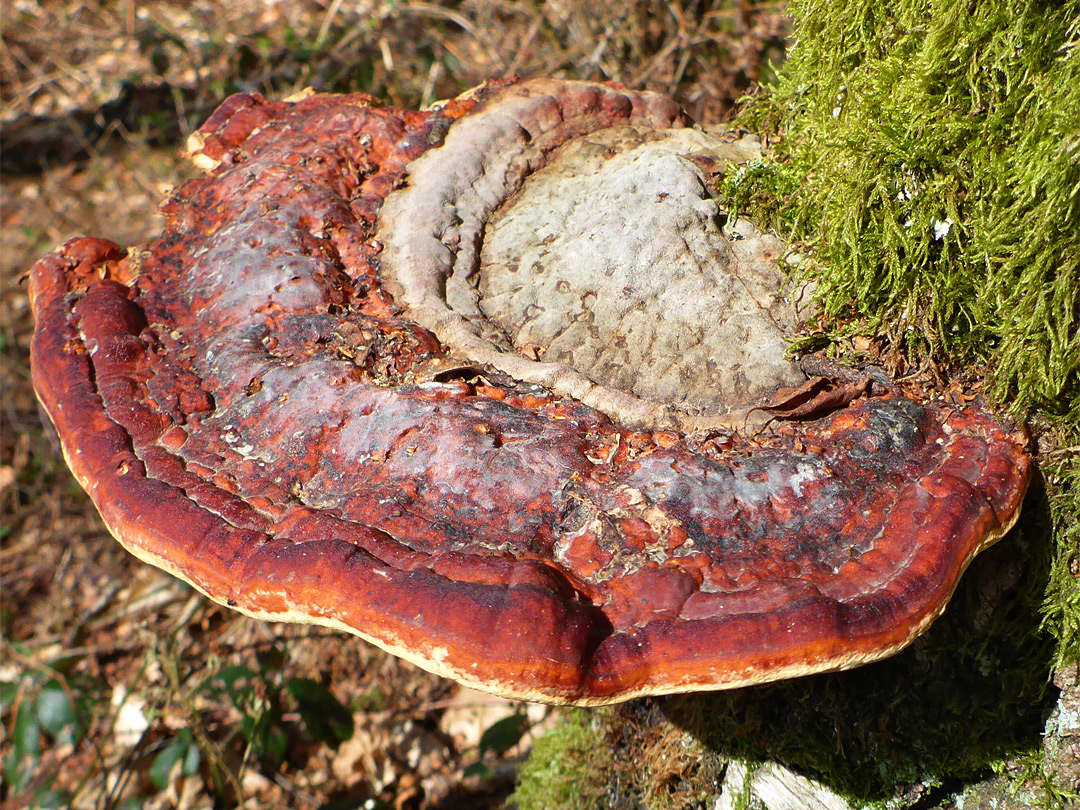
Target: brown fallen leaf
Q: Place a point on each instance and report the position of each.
(816, 366)
(784, 398)
(816, 397)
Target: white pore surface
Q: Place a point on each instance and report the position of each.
(612, 260)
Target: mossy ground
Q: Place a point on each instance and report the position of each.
(569, 766)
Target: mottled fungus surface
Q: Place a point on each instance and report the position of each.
(384, 372)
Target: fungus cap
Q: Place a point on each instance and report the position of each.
(311, 399)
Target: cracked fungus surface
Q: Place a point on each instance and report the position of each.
(310, 418)
(612, 259)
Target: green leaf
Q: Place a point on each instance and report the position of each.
(478, 769)
(324, 716)
(271, 661)
(26, 735)
(51, 799)
(251, 726)
(162, 766)
(182, 751)
(14, 774)
(504, 734)
(56, 713)
(25, 750)
(274, 743)
(191, 759)
(236, 682)
(267, 741)
(8, 691)
(229, 676)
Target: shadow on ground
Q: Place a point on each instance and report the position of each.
(971, 695)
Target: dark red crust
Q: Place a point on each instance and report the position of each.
(246, 409)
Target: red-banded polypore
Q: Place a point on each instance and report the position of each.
(474, 383)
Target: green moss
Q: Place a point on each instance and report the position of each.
(1061, 607)
(930, 161)
(568, 768)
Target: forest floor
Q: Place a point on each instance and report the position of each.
(121, 687)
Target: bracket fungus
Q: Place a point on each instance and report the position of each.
(385, 372)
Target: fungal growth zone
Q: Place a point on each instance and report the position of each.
(477, 383)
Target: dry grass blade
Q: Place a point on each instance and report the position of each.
(438, 12)
(331, 13)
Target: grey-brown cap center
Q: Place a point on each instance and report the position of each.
(612, 260)
(567, 236)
